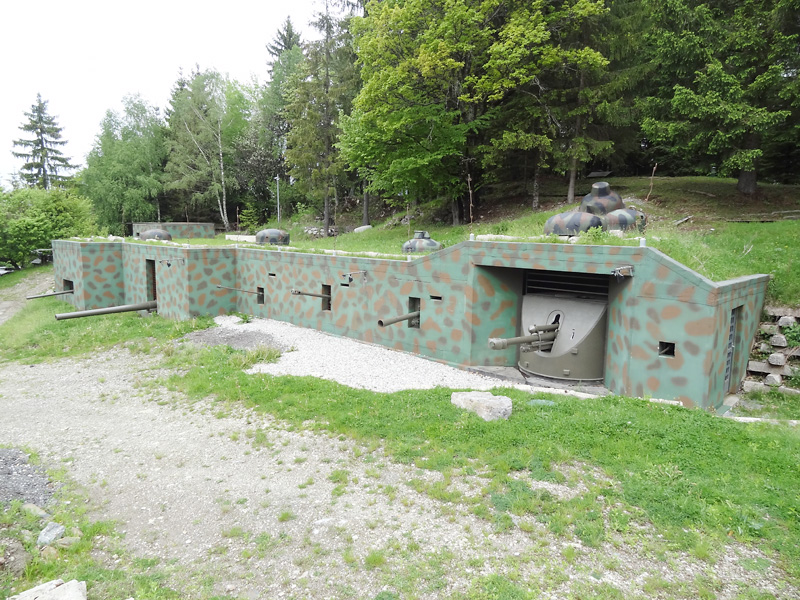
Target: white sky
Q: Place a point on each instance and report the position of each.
(84, 56)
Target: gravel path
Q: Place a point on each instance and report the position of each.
(232, 502)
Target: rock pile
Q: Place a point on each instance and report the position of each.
(773, 353)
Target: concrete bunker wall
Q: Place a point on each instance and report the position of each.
(668, 328)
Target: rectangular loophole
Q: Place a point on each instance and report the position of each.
(326, 300)
(68, 285)
(436, 298)
(413, 306)
(150, 278)
(666, 349)
(260, 295)
(272, 274)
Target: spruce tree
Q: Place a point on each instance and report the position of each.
(43, 158)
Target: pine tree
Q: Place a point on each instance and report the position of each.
(42, 155)
(285, 39)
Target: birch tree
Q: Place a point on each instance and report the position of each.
(200, 140)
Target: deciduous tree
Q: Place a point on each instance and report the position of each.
(123, 176)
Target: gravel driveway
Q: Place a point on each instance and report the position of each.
(232, 502)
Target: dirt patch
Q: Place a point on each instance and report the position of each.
(13, 299)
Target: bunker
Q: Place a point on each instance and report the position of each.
(628, 317)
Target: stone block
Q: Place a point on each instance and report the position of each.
(787, 321)
(773, 379)
(764, 368)
(484, 404)
(765, 348)
(50, 534)
(777, 359)
(748, 385)
(55, 590)
(362, 228)
(769, 329)
(778, 340)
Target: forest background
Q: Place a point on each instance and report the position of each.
(450, 102)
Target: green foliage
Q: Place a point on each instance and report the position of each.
(124, 168)
(206, 117)
(496, 587)
(727, 79)
(30, 218)
(43, 158)
(319, 94)
(792, 335)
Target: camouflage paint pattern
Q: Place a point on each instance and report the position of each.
(573, 223)
(667, 326)
(156, 234)
(601, 200)
(272, 236)
(624, 219)
(421, 242)
(178, 230)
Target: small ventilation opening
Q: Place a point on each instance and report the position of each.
(666, 349)
(68, 285)
(260, 295)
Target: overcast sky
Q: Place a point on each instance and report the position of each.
(84, 56)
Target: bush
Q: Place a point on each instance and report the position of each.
(30, 218)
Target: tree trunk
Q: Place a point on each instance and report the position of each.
(223, 209)
(535, 192)
(573, 175)
(747, 183)
(748, 179)
(326, 212)
(457, 210)
(573, 167)
(365, 208)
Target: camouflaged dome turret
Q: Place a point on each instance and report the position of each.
(156, 234)
(572, 223)
(421, 242)
(624, 219)
(272, 236)
(602, 200)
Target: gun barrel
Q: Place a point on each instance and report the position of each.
(152, 305)
(49, 295)
(224, 287)
(540, 338)
(543, 328)
(392, 321)
(299, 293)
